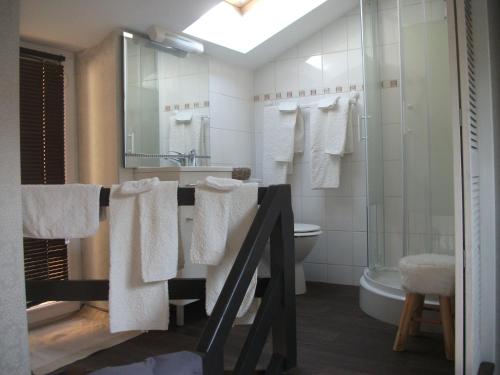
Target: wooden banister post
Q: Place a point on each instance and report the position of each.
(283, 262)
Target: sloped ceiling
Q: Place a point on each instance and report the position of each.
(78, 24)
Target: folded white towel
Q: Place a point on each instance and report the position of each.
(328, 102)
(60, 211)
(139, 186)
(352, 120)
(184, 134)
(242, 212)
(225, 184)
(283, 137)
(336, 127)
(183, 116)
(159, 232)
(288, 106)
(133, 304)
(211, 215)
(325, 168)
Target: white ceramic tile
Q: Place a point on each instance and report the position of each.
(345, 188)
(339, 275)
(335, 72)
(393, 215)
(436, 10)
(357, 273)
(297, 209)
(339, 213)
(392, 141)
(216, 146)
(355, 64)
(359, 249)
(443, 245)
(287, 75)
(230, 80)
(335, 36)
(412, 14)
(388, 26)
(358, 178)
(393, 249)
(258, 156)
(313, 211)
(389, 62)
(319, 251)
(168, 65)
(296, 179)
(387, 4)
(354, 32)
(311, 72)
(315, 272)
(359, 214)
(311, 46)
(264, 80)
(391, 108)
(340, 248)
(290, 53)
(417, 222)
(393, 180)
(418, 244)
(192, 64)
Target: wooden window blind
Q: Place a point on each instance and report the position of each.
(42, 151)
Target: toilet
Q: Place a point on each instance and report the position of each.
(305, 236)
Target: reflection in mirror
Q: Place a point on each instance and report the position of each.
(166, 114)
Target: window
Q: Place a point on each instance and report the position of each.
(42, 151)
(241, 25)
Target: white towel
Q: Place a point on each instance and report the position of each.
(336, 127)
(242, 212)
(283, 137)
(353, 118)
(185, 133)
(211, 216)
(133, 304)
(139, 186)
(60, 211)
(159, 232)
(325, 168)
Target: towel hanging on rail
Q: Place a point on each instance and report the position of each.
(60, 211)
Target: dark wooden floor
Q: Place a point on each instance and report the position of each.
(334, 337)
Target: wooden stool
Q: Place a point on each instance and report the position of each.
(420, 275)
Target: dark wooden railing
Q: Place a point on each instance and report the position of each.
(276, 314)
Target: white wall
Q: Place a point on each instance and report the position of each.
(231, 125)
(330, 59)
(13, 329)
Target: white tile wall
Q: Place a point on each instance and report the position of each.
(231, 115)
(327, 59)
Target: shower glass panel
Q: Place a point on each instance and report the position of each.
(371, 120)
(407, 124)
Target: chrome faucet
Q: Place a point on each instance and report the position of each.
(180, 159)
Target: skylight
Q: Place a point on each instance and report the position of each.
(242, 25)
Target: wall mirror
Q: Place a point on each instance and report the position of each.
(166, 114)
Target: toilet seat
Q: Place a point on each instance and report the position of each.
(306, 230)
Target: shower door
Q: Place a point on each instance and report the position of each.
(371, 130)
(427, 128)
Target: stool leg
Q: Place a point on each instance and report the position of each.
(417, 313)
(447, 320)
(404, 323)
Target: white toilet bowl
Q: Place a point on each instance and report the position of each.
(305, 236)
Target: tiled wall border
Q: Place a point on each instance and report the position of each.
(177, 107)
(303, 92)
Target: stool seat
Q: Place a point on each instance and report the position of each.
(428, 274)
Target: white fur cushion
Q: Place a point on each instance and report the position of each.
(428, 274)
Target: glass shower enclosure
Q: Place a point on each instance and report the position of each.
(408, 129)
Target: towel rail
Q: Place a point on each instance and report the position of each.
(274, 221)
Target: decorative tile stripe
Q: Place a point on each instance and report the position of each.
(177, 107)
(306, 92)
(389, 83)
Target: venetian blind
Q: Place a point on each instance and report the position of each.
(42, 151)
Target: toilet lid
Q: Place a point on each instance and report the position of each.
(305, 228)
